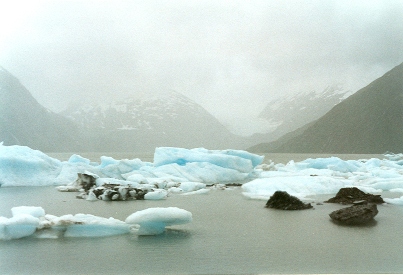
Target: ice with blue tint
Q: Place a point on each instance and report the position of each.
(241, 161)
(23, 166)
(327, 176)
(19, 226)
(398, 201)
(32, 220)
(153, 221)
(179, 170)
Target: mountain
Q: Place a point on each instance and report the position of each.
(369, 121)
(286, 114)
(292, 112)
(142, 123)
(23, 121)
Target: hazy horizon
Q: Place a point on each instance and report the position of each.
(231, 57)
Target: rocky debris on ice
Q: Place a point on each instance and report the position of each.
(355, 214)
(282, 200)
(350, 195)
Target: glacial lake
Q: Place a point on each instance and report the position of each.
(229, 234)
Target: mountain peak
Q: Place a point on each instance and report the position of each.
(369, 121)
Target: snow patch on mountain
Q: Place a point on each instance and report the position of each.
(297, 110)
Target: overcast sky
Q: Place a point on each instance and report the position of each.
(231, 57)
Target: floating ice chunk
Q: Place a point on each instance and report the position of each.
(34, 211)
(105, 161)
(198, 172)
(384, 183)
(152, 221)
(231, 159)
(191, 186)
(175, 189)
(197, 192)
(19, 226)
(256, 159)
(86, 225)
(135, 177)
(157, 194)
(397, 201)
(91, 196)
(299, 186)
(114, 168)
(23, 166)
(332, 163)
(74, 159)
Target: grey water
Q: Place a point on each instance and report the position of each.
(229, 234)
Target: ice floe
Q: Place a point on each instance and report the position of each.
(327, 176)
(22, 166)
(153, 221)
(180, 171)
(32, 220)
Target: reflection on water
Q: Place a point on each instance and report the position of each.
(229, 234)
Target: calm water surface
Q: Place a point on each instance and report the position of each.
(229, 235)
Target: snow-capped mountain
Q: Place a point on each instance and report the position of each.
(292, 112)
(167, 119)
(369, 121)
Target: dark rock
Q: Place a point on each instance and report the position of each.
(349, 195)
(87, 181)
(356, 214)
(283, 200)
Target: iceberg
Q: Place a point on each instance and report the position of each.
(179, 170)
(22, 166)
(326, 176)
(32, 220)
(152, 221)
(19, 226)
(232, 159)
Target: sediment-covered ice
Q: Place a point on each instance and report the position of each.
(32, 220)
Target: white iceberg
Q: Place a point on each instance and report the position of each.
(28, 220)
(19, 226)
(152, 221)
(22, 166)
(86, 225)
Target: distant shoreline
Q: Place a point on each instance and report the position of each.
(275, 157)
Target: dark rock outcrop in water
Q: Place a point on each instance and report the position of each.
(356, 214)
(349, 195)
(283, 200)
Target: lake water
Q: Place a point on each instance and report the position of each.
(230, 234)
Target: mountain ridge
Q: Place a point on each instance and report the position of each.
(369, 121)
